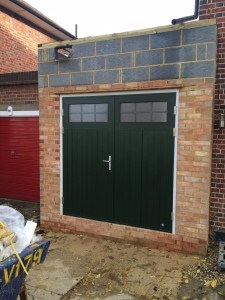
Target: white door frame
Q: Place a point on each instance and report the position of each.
(124, 93)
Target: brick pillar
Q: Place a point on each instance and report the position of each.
(216, 9)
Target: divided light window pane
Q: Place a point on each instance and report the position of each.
(88, 113)
(143, 112)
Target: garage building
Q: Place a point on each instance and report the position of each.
(126, 135)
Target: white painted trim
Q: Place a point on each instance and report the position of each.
(125, 93)
(31, 113)
(61, 155)
(175, 166)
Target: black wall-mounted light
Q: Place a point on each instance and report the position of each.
(222, 120)
(63, 52)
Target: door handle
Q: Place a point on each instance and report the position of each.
(109, 162)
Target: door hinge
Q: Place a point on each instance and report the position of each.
(172, 216)
(175, 132)
(175, 110)
(62, 112)
(62, 200)
(62, 130)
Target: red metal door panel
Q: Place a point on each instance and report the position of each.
(19, 158)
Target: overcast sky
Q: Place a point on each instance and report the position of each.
(99, 17)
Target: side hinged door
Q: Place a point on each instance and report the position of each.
(144, 160)
(88, 157)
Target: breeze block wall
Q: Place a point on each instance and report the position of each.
(178, 57)
(216, 9)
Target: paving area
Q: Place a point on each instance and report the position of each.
(80, 267)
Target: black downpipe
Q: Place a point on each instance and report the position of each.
(189, 18)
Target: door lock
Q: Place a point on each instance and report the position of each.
(12, 153)
(109, 162)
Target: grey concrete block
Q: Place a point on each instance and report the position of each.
(93, 63)
(43, 81)
(40, 82)
(66, 66)
(59, 80)
(211, 53)
(199, 35)
(165, 39)
(108, 47)
(48, 68)
(111, 76)
(164, 72)
(83, 50)
(45, 55)
(135, 43)
(180, 54)
(149, 58)
(80, 50)
(201, 52)
(39, 55)
(51, 54)
(135, 74)
(119, 61)
(82, 78)
(198, 69)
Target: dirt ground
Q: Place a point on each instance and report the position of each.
(95, 268)
(108, 268)
(111, 267)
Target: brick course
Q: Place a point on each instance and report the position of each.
(23, 97)
(19, 40)
(216, 9)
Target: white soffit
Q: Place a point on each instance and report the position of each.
(29, 14)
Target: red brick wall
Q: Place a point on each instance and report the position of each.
(216, 9)
(19, 94)
(193, 166)
(18, 46)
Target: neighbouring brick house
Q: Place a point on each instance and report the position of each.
(22, 28)
(210, 9)
(126, 135)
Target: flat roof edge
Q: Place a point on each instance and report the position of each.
(153, 30)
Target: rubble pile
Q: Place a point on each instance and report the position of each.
(6, 238)
(205, 269)
(15, 236)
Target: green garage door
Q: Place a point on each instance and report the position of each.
(118, 157)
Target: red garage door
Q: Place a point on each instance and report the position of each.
(19, 158)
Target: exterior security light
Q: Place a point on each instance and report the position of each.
(63, 52)
(10, 110)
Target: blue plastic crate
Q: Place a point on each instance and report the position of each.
(12, 275)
